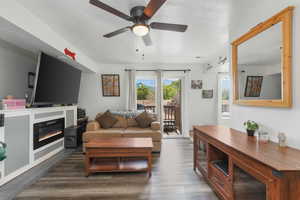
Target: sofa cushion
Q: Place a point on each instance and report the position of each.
(155, 125)
(102, 133)
(107, 120)
(142, 132)
(93, 126)
(121, 123)
(131, 122)
(144, 120)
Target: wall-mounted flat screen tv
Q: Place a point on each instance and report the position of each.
(56, 82)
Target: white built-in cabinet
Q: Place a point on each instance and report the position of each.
(17, 133)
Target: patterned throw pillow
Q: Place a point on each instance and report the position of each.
(106, 120)
(144, 120)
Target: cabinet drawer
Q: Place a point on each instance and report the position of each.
(220, 182)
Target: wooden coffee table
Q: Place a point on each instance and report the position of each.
(119, 155)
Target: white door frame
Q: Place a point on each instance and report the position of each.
(183, 102)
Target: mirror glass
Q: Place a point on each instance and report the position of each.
(259, 65)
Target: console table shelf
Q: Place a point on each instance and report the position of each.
(238, 167)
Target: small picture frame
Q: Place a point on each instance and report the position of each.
(253, 86)
(207, 94)
(196, 84)
(110, 85)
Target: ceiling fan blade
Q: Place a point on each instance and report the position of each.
(152, 7)
(147, 40)
(117, 32)
(111, 10)
(169, 27)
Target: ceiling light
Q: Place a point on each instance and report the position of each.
(140, 29)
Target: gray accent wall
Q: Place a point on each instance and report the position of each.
(17, 134)
(15, 63)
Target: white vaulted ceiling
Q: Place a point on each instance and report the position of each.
(83, 25)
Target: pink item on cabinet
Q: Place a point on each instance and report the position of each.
(12, 104)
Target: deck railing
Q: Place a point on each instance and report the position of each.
(171, 116)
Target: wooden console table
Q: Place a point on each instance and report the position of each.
(239, 167)
(119, 155)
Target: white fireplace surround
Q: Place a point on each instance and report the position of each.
(21, 155)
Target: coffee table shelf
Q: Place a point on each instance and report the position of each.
(118, 165)
(119, 155)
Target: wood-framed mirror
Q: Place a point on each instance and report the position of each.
(261, 63)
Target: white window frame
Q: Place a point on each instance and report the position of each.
(222, 115)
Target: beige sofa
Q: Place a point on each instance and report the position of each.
(125, 127)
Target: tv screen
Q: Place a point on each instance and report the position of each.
(57, 82)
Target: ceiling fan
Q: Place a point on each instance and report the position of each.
(140, 17)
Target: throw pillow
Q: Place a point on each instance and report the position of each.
(144, 120)
(121, 123)
(106, 120)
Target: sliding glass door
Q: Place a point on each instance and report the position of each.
(172, 106)
(168, 102)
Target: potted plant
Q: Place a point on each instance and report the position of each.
(2, 151)
(251, 127)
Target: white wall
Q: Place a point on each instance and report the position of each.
(245, 15)
(90, 95)
(201, 111)
(15, 64)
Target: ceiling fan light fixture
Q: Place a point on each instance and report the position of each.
(140, 29)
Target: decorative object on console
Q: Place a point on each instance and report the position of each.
(207, 94)
(110, 85)
(70, 53)
(12, 104)
(263, 137)
(197, 84)
(253, 86)
(2, 151)
(251, 127)
(30, 79)
(281, 139)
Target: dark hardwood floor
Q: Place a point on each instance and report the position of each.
(173, 178)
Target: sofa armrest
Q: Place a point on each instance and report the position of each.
(155, 126)
(93, 126)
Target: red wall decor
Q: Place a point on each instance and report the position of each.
(70, 53)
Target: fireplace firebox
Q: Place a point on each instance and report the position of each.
(48, 132)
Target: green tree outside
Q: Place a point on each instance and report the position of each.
(143, 91)
(171, 90)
